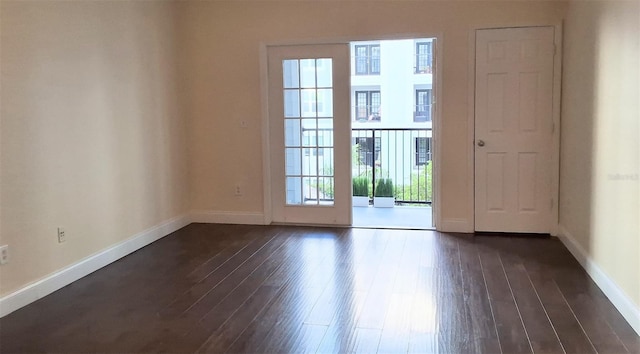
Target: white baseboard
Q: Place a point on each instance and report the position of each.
(455, 225)
(88, 265)
(227, 217)
(629, 310)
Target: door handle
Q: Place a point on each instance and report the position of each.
(480, 143)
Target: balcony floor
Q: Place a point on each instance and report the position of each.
(398, 217)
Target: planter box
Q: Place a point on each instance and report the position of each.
(360, 201)
(384, 202)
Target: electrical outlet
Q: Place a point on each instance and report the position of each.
(62, 237)
(4, 254)
(238, 190)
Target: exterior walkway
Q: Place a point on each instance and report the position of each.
(398, 217)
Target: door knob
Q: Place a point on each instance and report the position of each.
(480, 143)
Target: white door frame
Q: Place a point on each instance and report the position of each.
(264, 103)
(555, 148)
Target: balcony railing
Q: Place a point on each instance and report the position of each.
(365, 113)
(402, 155)
(422, 113)
(423, 69)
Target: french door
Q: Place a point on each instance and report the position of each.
(309, 134)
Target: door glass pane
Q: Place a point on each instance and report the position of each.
(325, 162)
(325, 135)
(292, 103)
(294, 190)
(307, 73)
(325, 102)
(325, 138)
(310, 162)
(308, 141)
(308, 102)
(290, 73)
(309, 132)
(310, 190)
(324, 71)
(293, 161)
(325, 189)
(292, 132)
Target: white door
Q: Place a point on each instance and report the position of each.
(309, 134)
(513, 129)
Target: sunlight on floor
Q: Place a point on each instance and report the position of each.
(396, 217)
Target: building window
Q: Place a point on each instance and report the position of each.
(367, 59)
(424, 57)
(367, 106)
(423, 151)
(368, 153)
(423, 106)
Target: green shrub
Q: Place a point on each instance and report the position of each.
(420, 188)
(384, 188)
(360, 187)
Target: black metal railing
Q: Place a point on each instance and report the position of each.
(402, 155)
(422, 113)
(367, 113)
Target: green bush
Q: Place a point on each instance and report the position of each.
(360, 187)
(420, 188)
(384, 188)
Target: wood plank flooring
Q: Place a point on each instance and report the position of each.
(239, 288)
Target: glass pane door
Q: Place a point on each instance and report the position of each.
(305, 161)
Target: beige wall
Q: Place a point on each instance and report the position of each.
(93, 137)
(600, 150)
(223, 46)
(97, 98)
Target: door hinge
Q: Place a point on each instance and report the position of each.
(555, 49)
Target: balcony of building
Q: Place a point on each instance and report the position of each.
(401, 156)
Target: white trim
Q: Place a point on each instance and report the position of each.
(471, 126)
(436, 127)
(622, 302)
(456, 225)
(266, 143)
(88, 265)
(228, 217)
(555, 144)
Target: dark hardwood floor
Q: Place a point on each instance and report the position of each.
(234, 288)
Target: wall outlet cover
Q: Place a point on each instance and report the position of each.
(4, 254)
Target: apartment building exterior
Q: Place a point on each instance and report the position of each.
(392, 107)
